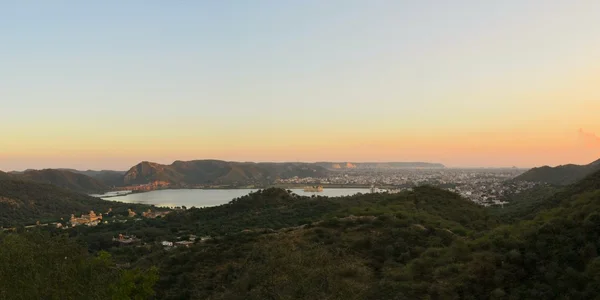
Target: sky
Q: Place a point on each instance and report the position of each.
(107, 84)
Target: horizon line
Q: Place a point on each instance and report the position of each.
(443, 166)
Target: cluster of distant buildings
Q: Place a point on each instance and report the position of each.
(93, 219)
(483, 186)
(155, 185)
(126, 240)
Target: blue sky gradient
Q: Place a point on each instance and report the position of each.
(102, 83)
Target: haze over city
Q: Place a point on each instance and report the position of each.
(108, 84)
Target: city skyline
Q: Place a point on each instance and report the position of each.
(107, 85)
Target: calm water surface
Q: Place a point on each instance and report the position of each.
(203, 198)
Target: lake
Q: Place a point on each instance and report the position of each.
(204, 198)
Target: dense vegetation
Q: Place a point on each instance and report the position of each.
(276, 208)
(39, 266)
(426, 243)
(25, 202)
(65, 179)
(553, 256)
(561, 175)
(5, 176)
(69, 179)
(107, 177)
(524, 204)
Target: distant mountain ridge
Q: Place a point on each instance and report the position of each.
(198, 172)
(560, 175)
(218, 172)
(107, 177)
(61, 178)
(380, 165)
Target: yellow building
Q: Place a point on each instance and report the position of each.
(91, 219)
(131, 213)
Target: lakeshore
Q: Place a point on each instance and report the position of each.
(120, 192)
(211, 197)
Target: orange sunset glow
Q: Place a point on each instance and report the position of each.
(493, 90)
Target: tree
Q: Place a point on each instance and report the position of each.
(37, 265)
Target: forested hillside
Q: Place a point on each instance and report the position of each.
(65, 179)
(525, 204)
(278, 245)
(40, 266)
(560, 175)
(109, 178)
(426, 243)
(4, 176)
(553, 256)
(25, 202)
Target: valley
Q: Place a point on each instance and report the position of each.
(367, 246)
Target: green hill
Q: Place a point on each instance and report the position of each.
(426, 243)
(553, 256)
(65, 179)
(277, 208)
(275, 244)
(5, 176)
(25, 202)
(107, 177)
(527, 204)
(219, 172)
(568, 194)
(561, 175)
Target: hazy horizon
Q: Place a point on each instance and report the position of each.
(82, 167)
(99, 85)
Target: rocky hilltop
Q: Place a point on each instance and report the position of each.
(200, 172)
